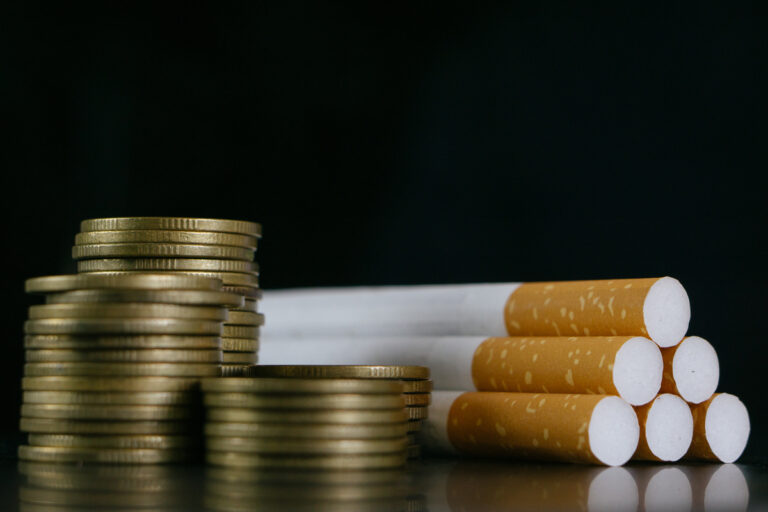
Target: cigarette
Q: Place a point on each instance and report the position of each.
(691, 370)
(720, 429)
(657, 308)
(666, 429)
(594, 429)
(630, 367)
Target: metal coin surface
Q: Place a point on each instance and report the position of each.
(121, 369)
(150, 250)
(65, 341)
(164, 264)
(342, 371)
(347, 462)
(111, 280)
(107, 412)
(124, 356)
(302, 401)
(49, 426)
(164, 236)
(124, 456)
(306, 416)
(303, 431)
(173, 223)
(123, 326)
(121, 442)
(128, 310)
(182, 297)
(110, 397)
(110, 383)
(315, 386)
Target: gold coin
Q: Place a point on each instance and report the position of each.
(418, 399)
(110, 383)
(349, 493)
(347, 462)
(301, 386)
(125, 356)
(183, 297)
(121, 442)
(68, 500)
(125, 456)
(307, 430)
(172, 223)
(239, 357)
(128, 310)
(239, 331)
(417, 386)
(121, 369)
(107, 412)
(233, 370)
(111, 280)
(245, 291)
(414, 451)
(64, 341)
(149, 250)
(306, 416)
(46, 426)
(120, 326)
(341, 371)
(237, 279)
(99, 477)
(245, 318)
(251, 305)
(164, 264)
(414, 425)
(239, 345)
(302, 401)
(417, 413)
(305, 446)
(164, 236)
(110, 397)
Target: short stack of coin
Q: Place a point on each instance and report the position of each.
(114, 364)
(417, 387)
(305, 424)
(223, 249)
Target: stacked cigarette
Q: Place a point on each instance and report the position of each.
(589, 371)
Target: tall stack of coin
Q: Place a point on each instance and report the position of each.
(114, 363)
(305, 424)
(223, 249)
(416, 386)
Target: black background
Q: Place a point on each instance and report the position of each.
(384, 144)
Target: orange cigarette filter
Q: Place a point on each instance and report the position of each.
(720, 429)
(594, 429)
(628, 366)
(657, 308)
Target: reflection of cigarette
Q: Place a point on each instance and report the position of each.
(663, 487)
(720, 429)
(691, 369)
(578, 428)
(718, 487)
(657, 308)
(630, 367)
(666, 429)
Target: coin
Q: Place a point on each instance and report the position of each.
(414, 425)
(233, 370)
(307, 430)
(296, 386)
(239, 345)
(125, 456)
(110, 383)
(124, 356)
(310, 494)
(311, 416)
(346, 462)
(249, 304)
(65, 341)
(417, 413)
(107, 412)
(149, 250)
(127, 310)
(66, 500)
(341, 371)
(227, 278)
(245, 318)
(125, 442)
(239, 357)
(305, 446)
(164, 236)
(111, 280)
(120, 326)
(418, 399)
(417, 386)
(47, 426)
(245, 477)
(155, 264)
(172, 223)
(110, 397)
(121, 369)
(300, 401)
(245, 291)
(239, 331)
(184, 297)
(414, 451)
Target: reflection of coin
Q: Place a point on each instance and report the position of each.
(137, 281)
(172, 223)
(126, 456)
(342, 371)
(121, 369)
(128, 310)
(243, 477)
(109, 397)
(187, 297)
(253, 460)
(305, 446)
(160, 341)
(142, 355)
(107, 412)
(284, 401)
(109, 383)
(313, 431)
(306, 416)
(121, 442)
(46, 426)
(350, 493)
(278, 385)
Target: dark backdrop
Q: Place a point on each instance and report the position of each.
(384, 144)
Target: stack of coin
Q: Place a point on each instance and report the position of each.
(114, 364)
(305, 424)
(222, 249)
(416, 386)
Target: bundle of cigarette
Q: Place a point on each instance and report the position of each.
(584, 371)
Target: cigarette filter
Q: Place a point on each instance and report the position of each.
(691, 369)
(657, 308)
(666, 429)
(595, 429)
(720, 429)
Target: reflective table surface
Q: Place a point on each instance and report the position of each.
(430, 484)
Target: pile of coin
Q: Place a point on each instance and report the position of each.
(305, 424)
(114, 363)
(417, 387)
(222, 249)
